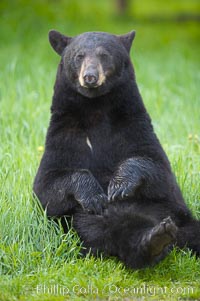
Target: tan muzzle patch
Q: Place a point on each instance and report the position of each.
(102, 77)
(88, 64)
(80, 78)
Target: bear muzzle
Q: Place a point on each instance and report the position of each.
(91, 75)
(90, 78)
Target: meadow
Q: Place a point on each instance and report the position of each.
(37, 260)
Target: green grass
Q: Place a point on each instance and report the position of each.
(37, 260)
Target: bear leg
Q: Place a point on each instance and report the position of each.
(189, 236)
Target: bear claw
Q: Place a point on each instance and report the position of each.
(120, 190)
(96, 205)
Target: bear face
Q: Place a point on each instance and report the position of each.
(92, 63)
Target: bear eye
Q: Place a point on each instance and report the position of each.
(103, 55)
(80, 57)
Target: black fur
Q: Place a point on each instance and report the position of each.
(124, 170)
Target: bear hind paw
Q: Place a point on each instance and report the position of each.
(159, 237)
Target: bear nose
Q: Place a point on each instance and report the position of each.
(90, 79)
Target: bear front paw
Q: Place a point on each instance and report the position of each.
(120, 188)
(95, 204)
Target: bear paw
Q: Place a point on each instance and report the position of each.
(121, 187)
(159, 237)
(95, 204)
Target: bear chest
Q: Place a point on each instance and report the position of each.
(96, 148)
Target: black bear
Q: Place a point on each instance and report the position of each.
(103, 163)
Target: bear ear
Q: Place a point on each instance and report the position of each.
(127, 39)
(58, 41)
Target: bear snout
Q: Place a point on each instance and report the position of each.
(90, 78)
(91, 74)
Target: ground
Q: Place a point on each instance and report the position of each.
(37, 261)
